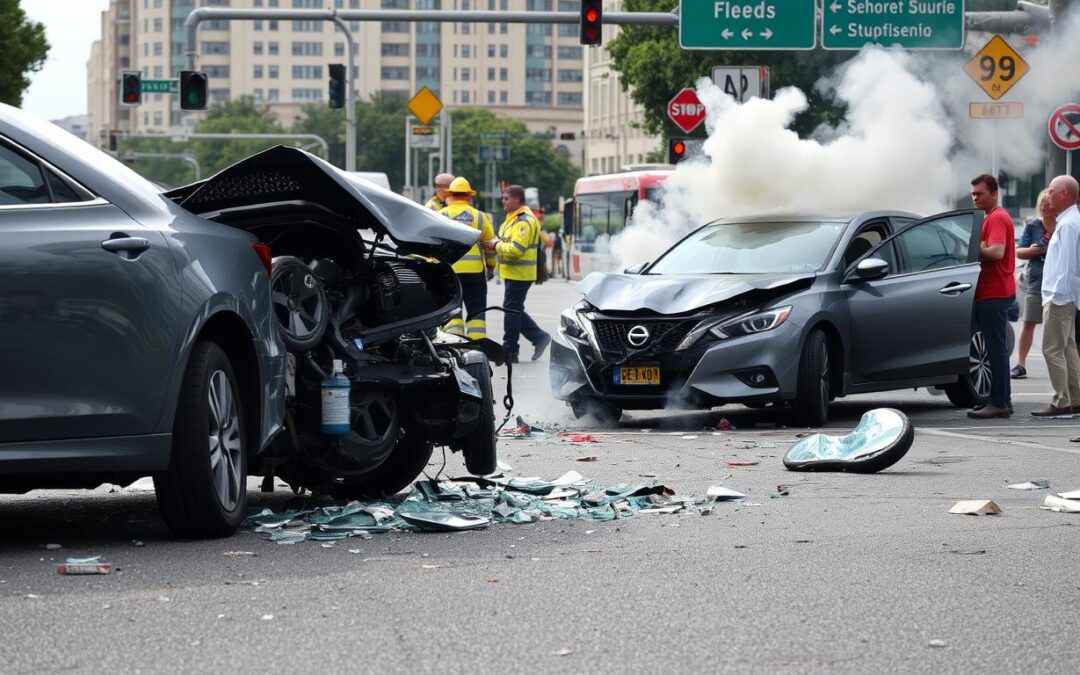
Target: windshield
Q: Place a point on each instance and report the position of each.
(598, 215)
(752, 248)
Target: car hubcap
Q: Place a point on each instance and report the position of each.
(298, 303)
(225, 446)
(979, 366)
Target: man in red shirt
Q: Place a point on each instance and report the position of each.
(994, 292)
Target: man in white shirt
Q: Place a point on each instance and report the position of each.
(1060, 295)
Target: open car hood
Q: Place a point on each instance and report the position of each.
(284, 188)
(678, 294)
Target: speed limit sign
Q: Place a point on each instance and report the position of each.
(997, 67)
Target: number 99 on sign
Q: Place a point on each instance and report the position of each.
(1002, 68)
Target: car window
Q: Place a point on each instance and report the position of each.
(934, 244)
(25, 181)
(867, 238)
(758, 247)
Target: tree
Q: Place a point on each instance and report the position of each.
(653, 67)
(241, 115)
(327, 122)
(25, 48)
(380, 137)
(533, 161)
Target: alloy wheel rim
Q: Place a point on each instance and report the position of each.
(979, 366)
(225, 442)
(299, 306)
(824, 383)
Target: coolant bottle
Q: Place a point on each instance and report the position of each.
(335, 401)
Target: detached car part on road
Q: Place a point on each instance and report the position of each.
(138, 336)
(794, 309)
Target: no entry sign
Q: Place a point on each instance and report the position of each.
(1065, 127)
(685, 110)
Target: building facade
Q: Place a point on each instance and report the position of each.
(529, 72)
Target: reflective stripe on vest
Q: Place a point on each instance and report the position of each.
(523, 268)
(473, 261)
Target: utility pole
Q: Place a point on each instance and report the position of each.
(1058, 162)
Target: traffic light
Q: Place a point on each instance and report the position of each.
(193, 93)
(130, 87)
(676, 150)
(112, 140)
(591, 15)
(337, 85)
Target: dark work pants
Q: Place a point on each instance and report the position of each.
(473, 294)
(992, 317)
(516, 323)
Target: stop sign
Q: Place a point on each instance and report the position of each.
(685, 110)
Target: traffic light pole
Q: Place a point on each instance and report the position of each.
(350, 100)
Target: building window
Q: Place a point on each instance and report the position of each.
(394, 73)
(397, 49)
(307, 4)
(466, 51)
(538, 74)
(502, 29)
(538, 5)
(538, 51)
(307, 72)
(570, 53)
(258, 24)
(307, 49)
(466, 29)
(216, 71)
(569, 30)
(466, 74)
(503, 74)
(395, 27)
(538, 29)
(491, 27)
(258, 72)
(538, 98)
(491, 74)
(257, 48)
(219, 95)
(569, 75)
(307, 26)
(158, 118)
(491, 95)
(215, 24)
(306, 95)
(339, 49)
(569, 99)
(215, 48)
(427, 50)
(569, 5)
(272, 71)
(504, 51)
(271, 26)
(465, 96)
(491, 51)
(158, 72)
(503, 97)
(157, 25)
(272, 95)
(427, 73)
(272, 48)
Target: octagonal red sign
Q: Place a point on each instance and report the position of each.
(685, 110)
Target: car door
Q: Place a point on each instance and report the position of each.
(88, 310)
(916, 321)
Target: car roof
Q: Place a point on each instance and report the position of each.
(823, 215)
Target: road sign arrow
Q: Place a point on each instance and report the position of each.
(747, 34)
(835, 7)
(834, 30)
(726, 34)
(767, 33)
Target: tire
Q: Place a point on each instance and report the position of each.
(973, 387)
(479, 448)
(812, 394)
(203, 493)
(401, 468)
(299, 303)
(606, 414)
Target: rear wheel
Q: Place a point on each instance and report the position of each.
(812, 395)
(479, 448)
(405, 463)
(973, 387)
(203, 493)
(606, 414)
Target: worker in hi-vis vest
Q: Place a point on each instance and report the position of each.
(518, 243)
(472, 267)
(438, 201)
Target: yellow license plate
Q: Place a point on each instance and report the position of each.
(637, 375)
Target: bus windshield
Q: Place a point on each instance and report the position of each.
(599, 214)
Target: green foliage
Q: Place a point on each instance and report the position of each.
(24, 49)
(653, 67)
(242, 116)
(380, 137)
(170, 172)
(533, 160)
(326, 122)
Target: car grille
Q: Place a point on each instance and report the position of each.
(611, 334)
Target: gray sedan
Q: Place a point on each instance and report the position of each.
(794, 308)
(135, 337)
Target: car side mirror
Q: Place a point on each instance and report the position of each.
(636, 269)
(871, 268)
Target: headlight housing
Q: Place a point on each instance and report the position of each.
(748, 324)
(570, 326)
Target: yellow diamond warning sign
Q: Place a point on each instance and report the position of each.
(425, 105)
(996, 67)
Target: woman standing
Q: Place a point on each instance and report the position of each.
(1032, 248)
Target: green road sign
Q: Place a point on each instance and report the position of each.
(911, 24)
(160, 87)
(747, 24)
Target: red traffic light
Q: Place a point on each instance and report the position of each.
(678, 148)
(591, 15)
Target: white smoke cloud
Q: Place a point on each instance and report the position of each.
(906, 143)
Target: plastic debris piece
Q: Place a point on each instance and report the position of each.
(662, 509)
(937, 643)
(238, 554)
(778, 495)
(1061, 505)
(1075, 494)
(743, 462)
(579, 438)
(587, 458)
(565, 651)
(689, 437)
(720, 493)
(266, 617)
(84, 561)
(568, 478)
(882, 437)
(1030, 485)
(724, 425)
(287, 537)
(976, 507)
(435, 521)
(70, 568)
(977, 551)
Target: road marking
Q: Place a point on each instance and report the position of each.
(976, 437)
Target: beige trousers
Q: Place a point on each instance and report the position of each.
(1059, 350)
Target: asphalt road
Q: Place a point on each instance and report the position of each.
(849, 574)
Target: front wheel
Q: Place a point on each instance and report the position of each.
(479, 448)
(203, 493)
(405, 463)
(973, 387)
(812, 394)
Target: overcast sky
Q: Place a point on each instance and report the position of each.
(71, 26)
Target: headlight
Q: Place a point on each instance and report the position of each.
(758, 322)
(568, 324)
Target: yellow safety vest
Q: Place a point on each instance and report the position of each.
(435, 204)
(519, 241)
(472, 262)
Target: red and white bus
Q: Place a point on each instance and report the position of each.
(601, 207)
